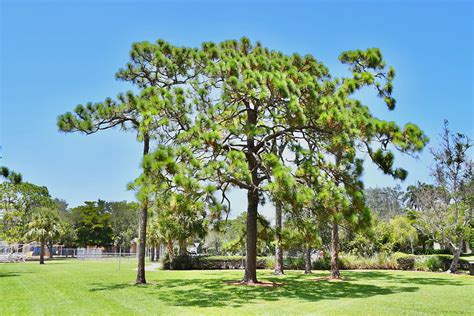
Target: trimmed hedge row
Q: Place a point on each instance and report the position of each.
(396, 261)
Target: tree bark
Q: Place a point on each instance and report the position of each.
(335, 274)
(278, 250)
(182, 248)
(456, 254)
(152, 254)
(307, 260)
(50, 247)
(42, 252)
(142, 225)
(251, 255)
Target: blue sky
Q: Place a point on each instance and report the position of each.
(57, 54)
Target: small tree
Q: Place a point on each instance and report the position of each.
(446, 209)
(404, 234)
(44, 225)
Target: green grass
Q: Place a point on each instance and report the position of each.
(77, 287)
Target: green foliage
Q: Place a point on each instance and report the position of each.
(380, 260)
(404, 233)
(236, 233)
(429, 263)
(93, 224)
(18, 202)
(12, 176)
(224, 113)
(44, 224)
(123, 221)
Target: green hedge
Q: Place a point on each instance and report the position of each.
(395, 261)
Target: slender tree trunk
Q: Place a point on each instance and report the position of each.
(169, 248)
(251, 256)
(278, 250)
(152, 254)
(307, 260)
(183, 251)
(335, 251)
(252, 204)
(42, 252)
(456, 254)
(158, 252)
(143, 223)
(50, 250)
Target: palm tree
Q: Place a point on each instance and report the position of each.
(12, 176)
(45, 224)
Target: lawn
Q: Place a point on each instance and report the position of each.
(92, 287)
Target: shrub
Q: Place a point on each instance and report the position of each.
(404, 261)
(429, 263)
(377, 261)
(323, 263)
(211, 263)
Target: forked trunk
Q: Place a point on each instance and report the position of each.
(335, 274)
(456, 254)
(42, 252)
(142, 226)
(307, 260)
(251, 256)
(278, 250)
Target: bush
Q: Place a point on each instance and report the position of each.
(429, 263)
(404, 261)
(377, 261)
(211, 263)
(323, 263)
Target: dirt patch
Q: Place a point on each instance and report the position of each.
(258, 284)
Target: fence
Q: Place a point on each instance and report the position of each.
(98, 254)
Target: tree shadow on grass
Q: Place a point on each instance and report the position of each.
(401, 278)
(216, 293)
(8, 274)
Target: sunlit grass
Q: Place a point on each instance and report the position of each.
(92, 287)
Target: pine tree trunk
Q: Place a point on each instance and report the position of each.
(142, 228)
(335, 252)
(251, 256)
(278, 250)
(42, 252)
(307, 260)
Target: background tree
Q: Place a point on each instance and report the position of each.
(92, 224)
(123, 221)
(18, 202)
(44, 225)
(404, 234)
(386, 202)
(302, 231)
(446, 208)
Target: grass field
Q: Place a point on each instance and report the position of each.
(92, 287)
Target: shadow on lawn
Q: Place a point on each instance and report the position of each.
(8, 274)
(215, 293)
